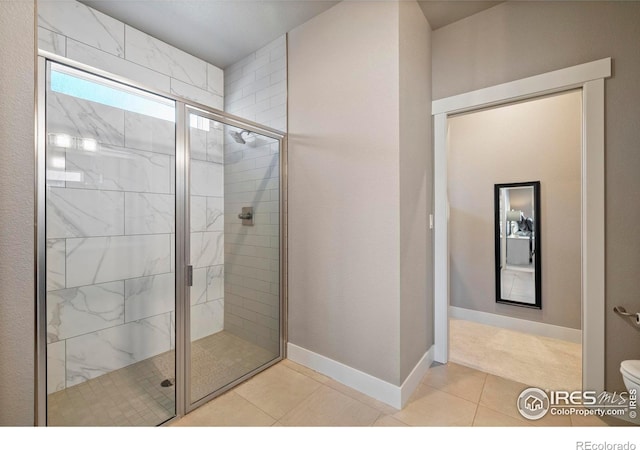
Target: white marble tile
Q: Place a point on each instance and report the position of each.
(235, 157)
(84, 24)
(56, 161)
(231, 146)
(155, 54)
(84, 213)
(149, 213)
(103, 259)
(118, 66)
(198, 213)
(215, 80)
(56, 264)
(207, 249)
(120, 169)
(56, 376)
(52, 42)
(202, 96)
(82, 118)
(207, 179)
(207, 319)
(268, 49)
(94, 354)
(215, 282)
(215, 144)
(215, 214)
(198, 143)
(198, 293)
(75, 311)
(279, 123)
(149, 296)
(149, 133)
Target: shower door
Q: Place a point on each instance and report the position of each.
(110, 277)
(160, 261)
(234, 253)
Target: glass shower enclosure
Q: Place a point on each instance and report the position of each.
(160, 259)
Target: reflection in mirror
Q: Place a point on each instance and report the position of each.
(517, 242)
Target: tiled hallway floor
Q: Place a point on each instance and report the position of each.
(289, 394)
(533, 360)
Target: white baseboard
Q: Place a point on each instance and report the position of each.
(381, 390)
(418, 372)
(522, 325)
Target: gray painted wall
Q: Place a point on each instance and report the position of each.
(344, 268)
(360, 187)
(532, 141)
(519, 39)
(17, 18)
(416, 188)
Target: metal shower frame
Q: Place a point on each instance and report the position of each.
(182, 198)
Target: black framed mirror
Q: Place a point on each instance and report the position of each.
(517, 243)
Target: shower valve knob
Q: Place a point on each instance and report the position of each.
(246, 215)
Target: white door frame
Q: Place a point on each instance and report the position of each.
(590, 78)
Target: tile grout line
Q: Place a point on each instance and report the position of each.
(294, 407)
(336, 390)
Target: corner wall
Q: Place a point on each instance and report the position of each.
(344, 227)
(360, 189)
(416, 187)
(17, 173)
(519, 39)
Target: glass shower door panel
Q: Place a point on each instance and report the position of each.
(110, 224)
(234, 300)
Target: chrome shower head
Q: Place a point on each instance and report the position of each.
(237, 136)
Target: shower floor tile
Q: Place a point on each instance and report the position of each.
(133, 395)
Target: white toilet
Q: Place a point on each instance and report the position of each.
(630, 371)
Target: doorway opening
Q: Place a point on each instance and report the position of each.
(514, 240)
(589, 78)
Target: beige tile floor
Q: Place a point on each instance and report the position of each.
(289, 394)
(133, 395)
(533, 360)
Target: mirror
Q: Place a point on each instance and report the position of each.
(517, 240)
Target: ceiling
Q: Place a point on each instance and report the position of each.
(224, 31)
(441, 13)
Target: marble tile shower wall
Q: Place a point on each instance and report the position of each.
(110, 222)
(255, 89)
(207, 230)
(71, 29)
(109, 306)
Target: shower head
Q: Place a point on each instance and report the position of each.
(237, 136)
